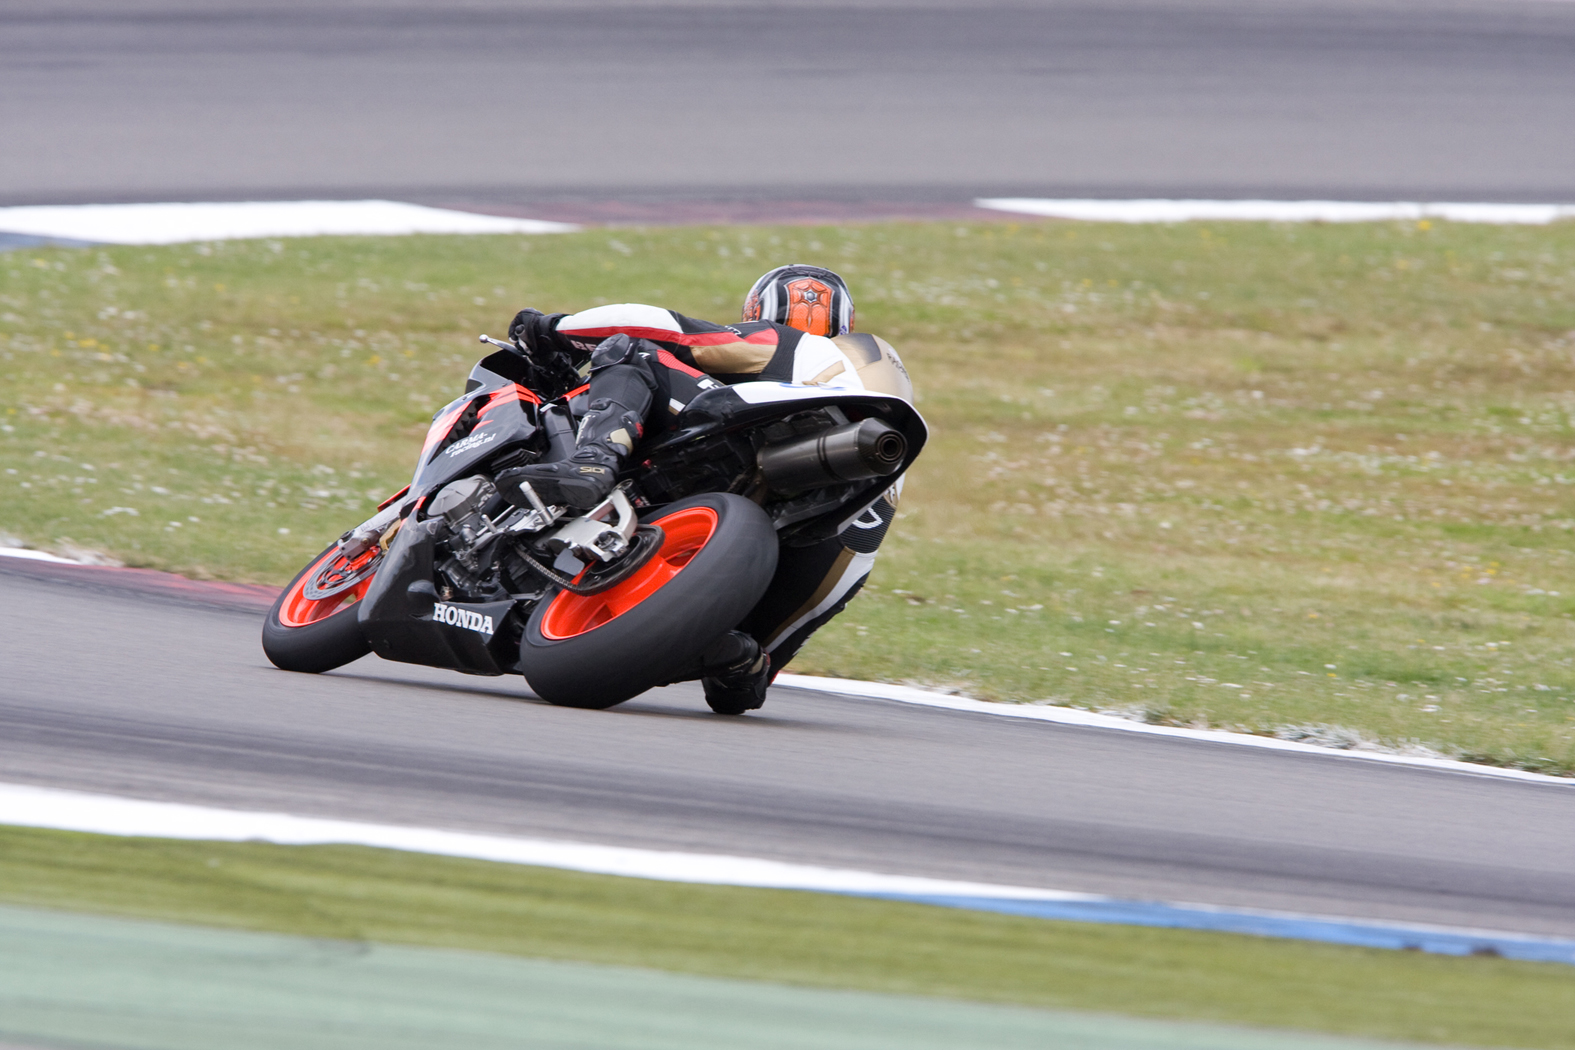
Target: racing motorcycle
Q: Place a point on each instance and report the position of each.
(591, 608)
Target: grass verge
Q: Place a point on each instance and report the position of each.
(1309, 481)
(810, 939)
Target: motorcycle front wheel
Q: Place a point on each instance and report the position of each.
(718, 554)
(313, 626)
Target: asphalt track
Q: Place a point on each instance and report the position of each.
(141, 686)
(662, 110)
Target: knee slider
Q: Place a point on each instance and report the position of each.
(614, 350)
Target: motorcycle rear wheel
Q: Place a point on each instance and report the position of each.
(317, 635)
(718, 555)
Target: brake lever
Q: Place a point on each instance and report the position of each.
(501, 345)
(554, 371)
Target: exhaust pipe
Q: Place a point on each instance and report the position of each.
(855, 452)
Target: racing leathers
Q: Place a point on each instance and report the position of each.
(648, 363)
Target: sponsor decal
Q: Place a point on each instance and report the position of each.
(891, 356)
(457, 617)
(475, 441)
(875, 521)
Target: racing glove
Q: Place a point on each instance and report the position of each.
(538, 334)
(551, 359)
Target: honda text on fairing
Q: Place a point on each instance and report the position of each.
(592, 607)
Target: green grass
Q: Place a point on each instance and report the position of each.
(1311, 481)
(796, 938)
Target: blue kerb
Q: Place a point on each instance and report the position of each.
(1305, 928)
(13, 241)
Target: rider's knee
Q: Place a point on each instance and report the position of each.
(620, 350)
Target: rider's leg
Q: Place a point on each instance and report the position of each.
(812, 585)
(622, 388)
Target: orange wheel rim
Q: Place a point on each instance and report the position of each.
(298, 610)
(684, 533)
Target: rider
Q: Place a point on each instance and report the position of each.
(647, 363)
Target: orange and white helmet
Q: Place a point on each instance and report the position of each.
(808, 298)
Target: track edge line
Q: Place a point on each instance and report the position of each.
(1071, 716)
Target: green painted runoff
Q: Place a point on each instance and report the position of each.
(138, 985)
(354, 895)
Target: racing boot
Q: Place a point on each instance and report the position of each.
(581, 481)
(620, 394)
(738, 673)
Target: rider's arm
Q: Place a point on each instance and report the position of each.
(729, 351)
(733, 353)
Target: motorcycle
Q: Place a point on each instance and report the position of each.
(590, 608)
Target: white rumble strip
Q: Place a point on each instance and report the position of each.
(28, 554)
(219, 221)
(1159, 210)
(1071, 716)
(27, 806)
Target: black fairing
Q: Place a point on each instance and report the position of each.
(498, 422)
(397, 614)
(491, 417)
(494, 417)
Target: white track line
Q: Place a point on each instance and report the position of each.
(1071, 716)
(174, 223)
(35, 807)
(1276, 211)
(26, 806)
(27, 554)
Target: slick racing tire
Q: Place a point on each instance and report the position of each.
(317, 635)
(717, 557)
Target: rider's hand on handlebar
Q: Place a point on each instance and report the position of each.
(536, 332)
(549, 356)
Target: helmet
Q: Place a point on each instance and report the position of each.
(809, 298)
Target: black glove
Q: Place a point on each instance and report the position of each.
(549, 357)
(538, 333)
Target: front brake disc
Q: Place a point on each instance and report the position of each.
(340, 574)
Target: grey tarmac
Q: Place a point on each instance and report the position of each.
(140, 685)
(653, 110)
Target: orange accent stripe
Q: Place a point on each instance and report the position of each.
(498, 400)
(764, 337)
(390, 501)
(678, 366)
(441, 426)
